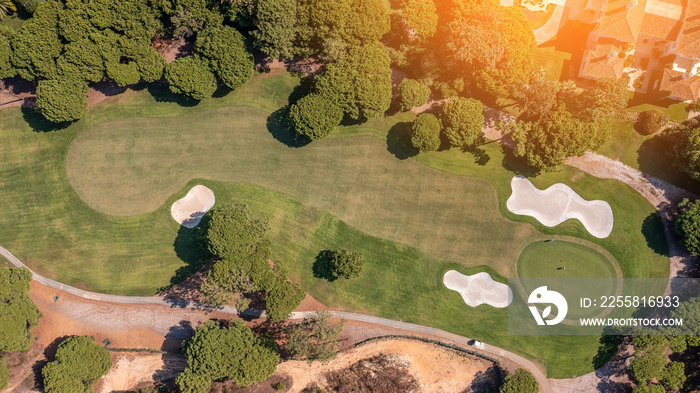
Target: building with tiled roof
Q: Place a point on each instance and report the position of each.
(682, 86)
(604, 61)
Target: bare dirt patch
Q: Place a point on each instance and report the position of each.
(132, 371)
(435, 369)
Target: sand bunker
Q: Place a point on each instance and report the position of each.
(559, 203)
(479, 289)
(188, 211)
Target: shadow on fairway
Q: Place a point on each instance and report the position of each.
(322, 266)
(653, 232)
(279, 128)
(398, 141)
(161, 93)
(187, 249)
(38, 122)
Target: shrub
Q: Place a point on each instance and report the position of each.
(650, 121)
(280, 386)
(124, 74)
(62, 100)
(462, 120)
(315, 116)
(4, 375)
(192, 77)
(151, 65)
(412, 93)
(688, 225)
(79, 362)
(225, 50)
(522, 381)
(346, 263)
(6, 69)
(425, 134)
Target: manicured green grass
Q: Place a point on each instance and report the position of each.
(544, 260)
(414, 218)
(12, 21)
(677, 111)
(551, 61)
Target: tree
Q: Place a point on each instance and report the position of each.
(62, 100)
(6, 68)
(124, 74)
(82, 59)
(674, 375)
(548, 141)
(226, 350)
(346, 263)
(6, 7)
(282, 297)
(360, 83)
(521, 381)
(648, 365)
(538, 96)
(226, 277)
(648, 388)
(192, 77)
(231, 231)
(425, 133)
(315, 116)
(18, 313)
(36, 45)
(151, 65)
(608, 95)
(79, 362)
(688, 225)
(494, 44)
(462, 120)
(315, 337)
(421, 17)
(275, 23)
(190, 16)
(686, 147)
(650, 121)
(412, 94)
(226, 52)
(4, 375)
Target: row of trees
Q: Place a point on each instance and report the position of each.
(461, 120)
(241, 246)
(79, 362)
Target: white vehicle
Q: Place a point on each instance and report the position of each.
(477, 344)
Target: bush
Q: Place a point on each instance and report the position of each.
(462, 120)
(412, 93)
(62, 100)
(688, 225)
(231, 231)
(79, 362)
(225, 50)
(151, 65)
(315, 116)
(280, 386)
(124, 74)
(425, 134)
(686, 147)
(6, 69)
(520, 382)
(650, 122)
(4, 375)
(192, 77)
(346, 263)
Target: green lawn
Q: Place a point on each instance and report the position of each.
(551, 60)
(414, 217)
(543, 260)
(677, 111)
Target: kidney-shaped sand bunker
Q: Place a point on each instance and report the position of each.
(189, 210)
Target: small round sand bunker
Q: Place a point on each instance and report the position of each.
(559, 203)
(189, 210)
(479, 289)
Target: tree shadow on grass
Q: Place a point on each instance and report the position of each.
(39, 123)
(607, 348)
(279, 128)
(518, 165)
(653, 231)
(654, 157)
(481, 157)
(189, 251)
(398, 141)
(322, 266)
(161, 93)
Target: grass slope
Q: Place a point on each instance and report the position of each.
(414, 218)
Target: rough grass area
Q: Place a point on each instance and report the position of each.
(414, 218)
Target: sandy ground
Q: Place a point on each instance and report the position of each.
(138, 370)
(559, 203)
(189, 210)
(436, 369)
(479, 289)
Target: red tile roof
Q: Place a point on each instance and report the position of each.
(602, 62)
(680, 87)
(689, 40)
(621, 21)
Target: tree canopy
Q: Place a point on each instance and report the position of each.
(79, 362)
(462, 120)
(62, 100)
(360, 83)
(688, 225)
(315, 116)
(225, 49)
(420, 17)
(315, 337)
(192, 77)
(521, 381)
(425, 133)
(346, 263)
(4, 375)
(232, 231)
(18, 313)
(412, 94)
(226, 350)
(6, 68)
(648, 365)
(686, 147)
(275, 27)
